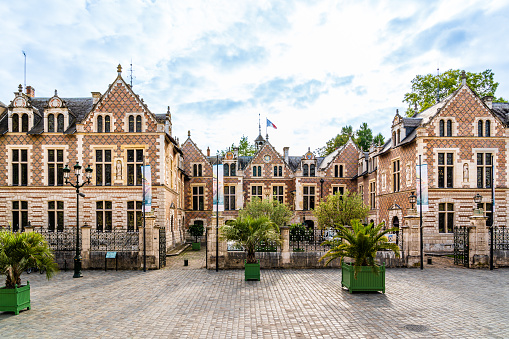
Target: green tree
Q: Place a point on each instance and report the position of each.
(338, 141)
(337, 210)
(364, 136)
(245, 147)
(426, 88)
(277, 212)
(379, 140)
(361, 244)
(19, 251)
(250, 233)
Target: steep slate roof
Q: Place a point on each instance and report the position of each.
(501, 110)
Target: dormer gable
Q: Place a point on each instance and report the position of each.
(308, 164)
(266, 158)
(20, 113)
(56, 115)
(397, 131)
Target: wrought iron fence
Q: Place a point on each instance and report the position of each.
(60, 241)
(311, 240)
(271, 246)
(119, 241)
(500, 238)
(461, 248)
(162, 247)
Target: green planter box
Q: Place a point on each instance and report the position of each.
(252, 271)
(196, 246)
(366, 281)
(15, 299)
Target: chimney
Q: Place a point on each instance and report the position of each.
(96, 96)
(463, 78)
(285, 153)
(208, 151)
(488, 101)
(236, 151)
(30, 91)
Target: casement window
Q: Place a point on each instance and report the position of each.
(338, 171)
(60, 123)
(445, 170)
(103, 213)
(486, 207)
(138, 124)
(361, 191)
(51, 123)
(229, 198)
(445, 217)
(233, 171)
(226, 170)
(19, 167)
(396, 175)
(134, 123)
(257, 171)
(134, 216)
(278, 171)
(338, 190)
(308, 198)
(441, 128)
(198, 198)
(103, 124)
(107, 124)
(277, 193)
(24, 123)
(486, 129)
(305, 170)
(372, 194)
(55, 216)
(19, 215)
(256, 191)
(134, 163)
(484, 165)
(197, 170)
(449, 128)
(99, 124)
(131, 124)
(55, 167)
(15, 122)
(103, 167)
(312, 170)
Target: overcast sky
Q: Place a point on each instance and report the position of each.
(310, 67)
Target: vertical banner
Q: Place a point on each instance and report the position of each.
(423, 171)
(147, 188)
(218, 175)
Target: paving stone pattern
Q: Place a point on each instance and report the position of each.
(191, 302)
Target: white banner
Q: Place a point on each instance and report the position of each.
(218, 175)
(147, 187)
(422, 203)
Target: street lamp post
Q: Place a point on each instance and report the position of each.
(77, 186)
(321, 188)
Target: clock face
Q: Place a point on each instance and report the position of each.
(267, 158)
(55, 102)
(19, 102)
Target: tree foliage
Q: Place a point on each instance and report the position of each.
(379, 140)
(364, 136)
(337, 210)
(250, 232)
(426, 88)
(196, 230)
(361, 244)
(245, 147)
(19, 251)
(277, 212)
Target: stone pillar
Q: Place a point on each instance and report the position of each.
(85, 246)
(411, 239)
(152, 247)
(29, 229)
(285, 245)
(211, 245)
(479, 251)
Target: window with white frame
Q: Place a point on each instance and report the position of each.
(445, 170)
(19, 167)
(134, 163)
(198, 198)
(197, 170)
(396, 175)
(257, 171)
(256, 192)
(338, 190)
(308, 197)
(372, 194)
(19, 215)
(278, 171)
(103, 167)
(229, 198)
(134, 216)
(55, 216)
(445, 217)
(55, 167)
(277, 193)
(104, 216)
(484, 167)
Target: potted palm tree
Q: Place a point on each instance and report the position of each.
(360, 243)
(19, 251)
(249, 233)
(196, 230)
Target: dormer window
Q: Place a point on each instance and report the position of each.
(99, 124)
(51, 123)
(312, 170)
(138, 124)
(103, 123)
(487, 128)
(15, 123)
(232, 170)
(305, 170)
(24, 123)
(131, 124)
(60, 123)
(107, 124)
(449, 128)
(135, 127)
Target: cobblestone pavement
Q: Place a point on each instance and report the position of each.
(191, 302)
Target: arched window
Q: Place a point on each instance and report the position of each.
(394, 139)
(60, 123)
(15, 123)
(138, 123)
(254, 171)
(479, 128)
(232, 170)
(399, 136)
(226, 170)
(441, 128)
(312, 170)
(259, 171)
(280, 171)
(340, 171)
(51, 123)
(488, 128)
(449, 128)
(195, 170)
(305, 170)
(24, 123)
(199, 170)
(107, 124)
(131, 124)
(275, 171)
(99, 124)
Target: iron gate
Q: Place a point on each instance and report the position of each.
(461, 246)
(162, 247)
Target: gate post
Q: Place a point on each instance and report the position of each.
(152, 242)
(285, 245)
(85, 246)
(411, 239)
(478, 241)
(211, 245)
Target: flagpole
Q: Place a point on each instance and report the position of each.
(144, 226)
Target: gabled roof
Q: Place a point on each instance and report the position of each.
(326, 161)
(501, 110)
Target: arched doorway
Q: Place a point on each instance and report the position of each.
(395, 223)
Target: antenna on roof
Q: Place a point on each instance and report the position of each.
(438, 86)
(25, 70)
(259, 125)
(131, 73)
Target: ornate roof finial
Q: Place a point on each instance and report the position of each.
(56, 93)
(20, 89)
(463, 78)
(119, 69)
(189, 133)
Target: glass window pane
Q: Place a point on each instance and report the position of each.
(107, 174)
(107, 205)
(24, 155)
(107, 155)
(139, 155)
(15, 155)
(60, 123)
(98, 175)
(488, 159)
(449, 159)
(51, 155)
(441, 207)
(99, 205)
(24, 205)
(130, 155)
(480, 159)
(99, 220)
(450, 222)
(51, 205)
(60, 205)
(441, 222)
(440, 158)
(60, 155)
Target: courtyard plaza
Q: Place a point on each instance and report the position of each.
(442, 301)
